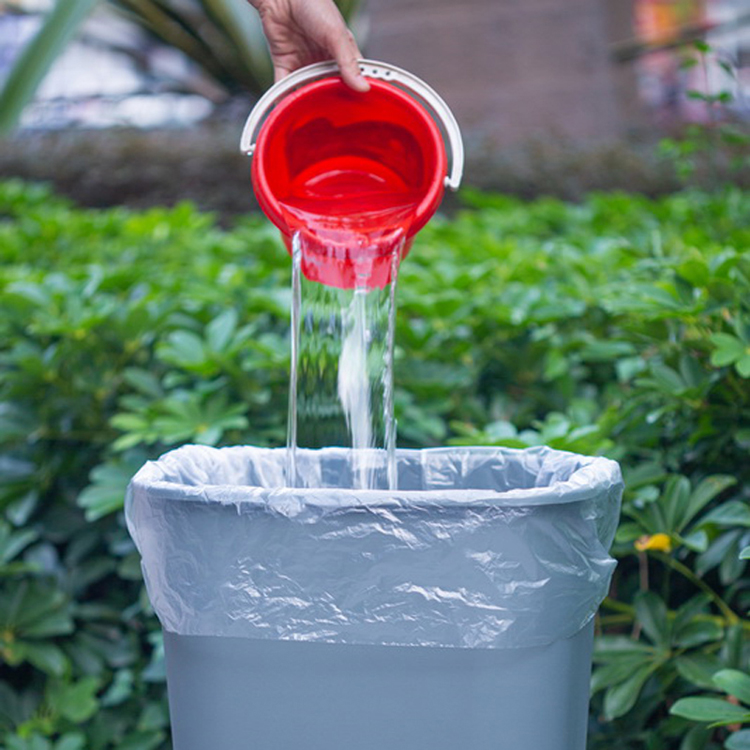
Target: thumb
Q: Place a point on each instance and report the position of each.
(347, 55)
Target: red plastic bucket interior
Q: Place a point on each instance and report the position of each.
(341, 166)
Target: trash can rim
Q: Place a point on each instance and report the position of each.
(595, 475)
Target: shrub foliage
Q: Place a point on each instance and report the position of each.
(619, 326)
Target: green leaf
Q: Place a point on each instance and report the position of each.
(58, 28)
(703, 494)
(75, 701)
(692, 372)
(143, 381)
(109, 481)
(697, 541)
(617, 670)
(675, 502)
(698, 669)
(697, 738)
(120, 690)
(651, 613)
(16, 707)
(106, 492)
(743, 365)
(184, 348)
(246, 33)
(142, 741)
(76, 741)
(627, 368)
(45, 656)
(615, 646)
(34, 610)
(13, 543)
(28, 742)
(618, 700)
(733, 682)
(718, 551)
(712, 710)
(643, 474)
(745, 554)
(668, 379)
(697, 633)
(731, 567)
(728, 349)
(221, 329)
(739, 740)
(605, 351)
(731, 513)
(688, 611)
(155, 716)
(627, 533)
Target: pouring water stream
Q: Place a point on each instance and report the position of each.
(341, 376)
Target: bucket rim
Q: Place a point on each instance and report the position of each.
(373, 70)
(270, 203)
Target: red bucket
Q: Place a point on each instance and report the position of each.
(358, 174)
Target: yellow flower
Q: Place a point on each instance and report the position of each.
(661, 542)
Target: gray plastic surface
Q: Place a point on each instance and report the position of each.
(485, 548)
(246, 694)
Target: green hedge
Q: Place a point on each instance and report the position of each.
(619, 326)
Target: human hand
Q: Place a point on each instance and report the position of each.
(301, 32)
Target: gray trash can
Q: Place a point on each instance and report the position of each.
(455, 612)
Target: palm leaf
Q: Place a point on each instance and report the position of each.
(58, 28)
(224, 38)
(238, 21)
(174, 30)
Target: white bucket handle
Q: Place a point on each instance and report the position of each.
(426, 95)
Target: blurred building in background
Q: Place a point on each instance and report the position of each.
(517, 69)
(580, 71)
(663, 27)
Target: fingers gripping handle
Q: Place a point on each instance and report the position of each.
(408, 82)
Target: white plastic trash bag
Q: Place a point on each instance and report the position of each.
(478, 548)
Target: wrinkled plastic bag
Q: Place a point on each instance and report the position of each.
(478, 548)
